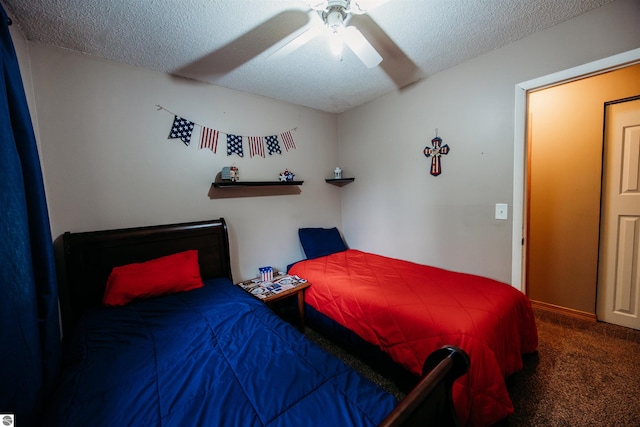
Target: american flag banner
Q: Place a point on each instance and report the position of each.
(234, 145)
(182, 129)
(209, 139)
(256, 146)
(287, 140)
(273, 145)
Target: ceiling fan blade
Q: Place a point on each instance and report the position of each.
(300, 37)
(397, 65)
(246, 47)
(361, 47)
(310, 32)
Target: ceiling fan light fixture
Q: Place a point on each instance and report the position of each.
(336, 43)
(357, 7)
(336, 15)
(334, 18)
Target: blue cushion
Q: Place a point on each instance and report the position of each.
(318, 242)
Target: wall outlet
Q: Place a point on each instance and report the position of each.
(502, 211)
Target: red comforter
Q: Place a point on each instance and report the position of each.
(408, 310)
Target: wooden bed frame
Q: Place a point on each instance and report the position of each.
(87, 258)
(430, 402)
(85, 261)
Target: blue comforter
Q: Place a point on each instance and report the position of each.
(213, 356)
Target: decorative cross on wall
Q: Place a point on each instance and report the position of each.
(435, 152)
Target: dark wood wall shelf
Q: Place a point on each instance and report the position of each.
(236, 184)
(230, 189)
(340, 182)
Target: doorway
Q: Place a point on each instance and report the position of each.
(565, 149)
(521, 174)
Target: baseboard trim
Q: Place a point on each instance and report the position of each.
(556, 309)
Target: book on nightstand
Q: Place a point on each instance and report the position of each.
(264, 289)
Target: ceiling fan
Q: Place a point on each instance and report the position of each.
(335, 15)
(290, 29)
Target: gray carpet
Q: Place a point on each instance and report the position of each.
(584, 374)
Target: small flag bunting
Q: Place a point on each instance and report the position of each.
(182, 129)
(287, 140)
(273, 145)
(209, 139)
(256, 146)
(234, 145)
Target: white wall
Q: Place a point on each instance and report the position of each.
(108, 163)
(396, 208)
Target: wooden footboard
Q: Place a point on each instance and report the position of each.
(430, 402)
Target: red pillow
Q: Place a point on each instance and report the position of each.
(160, 276)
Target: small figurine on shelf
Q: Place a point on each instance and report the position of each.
(230, 173)
(286, 176)
(337, 173)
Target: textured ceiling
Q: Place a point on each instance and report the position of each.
(229, 42)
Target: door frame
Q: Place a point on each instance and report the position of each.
(520, 178)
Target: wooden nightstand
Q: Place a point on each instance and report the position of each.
(282, 286)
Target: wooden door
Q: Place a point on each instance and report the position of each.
(618, 299)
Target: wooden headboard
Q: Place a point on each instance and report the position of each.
(87, 258)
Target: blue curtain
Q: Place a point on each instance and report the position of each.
(29, 328)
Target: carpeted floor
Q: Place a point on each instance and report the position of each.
(584, 374)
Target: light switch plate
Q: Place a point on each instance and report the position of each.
(502, 211)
